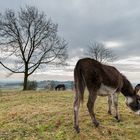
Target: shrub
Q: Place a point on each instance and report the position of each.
(50, 85)
(31, 85)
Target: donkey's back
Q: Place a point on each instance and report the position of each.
(92, 74)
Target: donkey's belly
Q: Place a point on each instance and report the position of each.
(105, 90)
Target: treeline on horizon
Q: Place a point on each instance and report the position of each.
(45, 84)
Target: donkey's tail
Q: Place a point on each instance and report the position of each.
(79, 83)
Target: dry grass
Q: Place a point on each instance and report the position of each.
(49, 116)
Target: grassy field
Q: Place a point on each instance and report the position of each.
(44, 115)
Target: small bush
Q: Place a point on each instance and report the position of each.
(0, 92)
(50, 85)
(31, 85)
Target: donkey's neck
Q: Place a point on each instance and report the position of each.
(127, 89)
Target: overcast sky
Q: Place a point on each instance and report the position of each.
(115, 23)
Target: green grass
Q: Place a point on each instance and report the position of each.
(44, 115)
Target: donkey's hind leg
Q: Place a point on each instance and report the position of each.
(90, 106)
(76, 110)
(79, 88)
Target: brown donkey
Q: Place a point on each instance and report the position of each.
(101, 80)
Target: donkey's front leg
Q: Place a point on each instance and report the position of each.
(109, 104)
(115, 101)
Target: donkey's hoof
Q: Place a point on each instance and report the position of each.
(117, 118)
(96, 124)
(109, 112)
(77, 129)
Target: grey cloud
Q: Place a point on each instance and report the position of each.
(128, 68)
(81, 22)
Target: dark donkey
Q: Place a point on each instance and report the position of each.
(60, 87)
(101, 80)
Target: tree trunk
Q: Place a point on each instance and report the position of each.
(25, 81)
(25, 78)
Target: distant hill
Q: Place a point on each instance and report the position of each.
(10, 84)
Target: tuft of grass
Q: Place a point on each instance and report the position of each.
(42, 115)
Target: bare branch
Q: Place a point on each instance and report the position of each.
(14, 71)
(31, 39)
(98, 51)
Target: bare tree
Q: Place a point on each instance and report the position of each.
(98, 51)
(29, 39)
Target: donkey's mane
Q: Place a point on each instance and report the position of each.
(127, 89)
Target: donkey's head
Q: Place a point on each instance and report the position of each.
(133, 103)
(132, 98)
(137, 88)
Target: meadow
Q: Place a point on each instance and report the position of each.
(48, 115)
